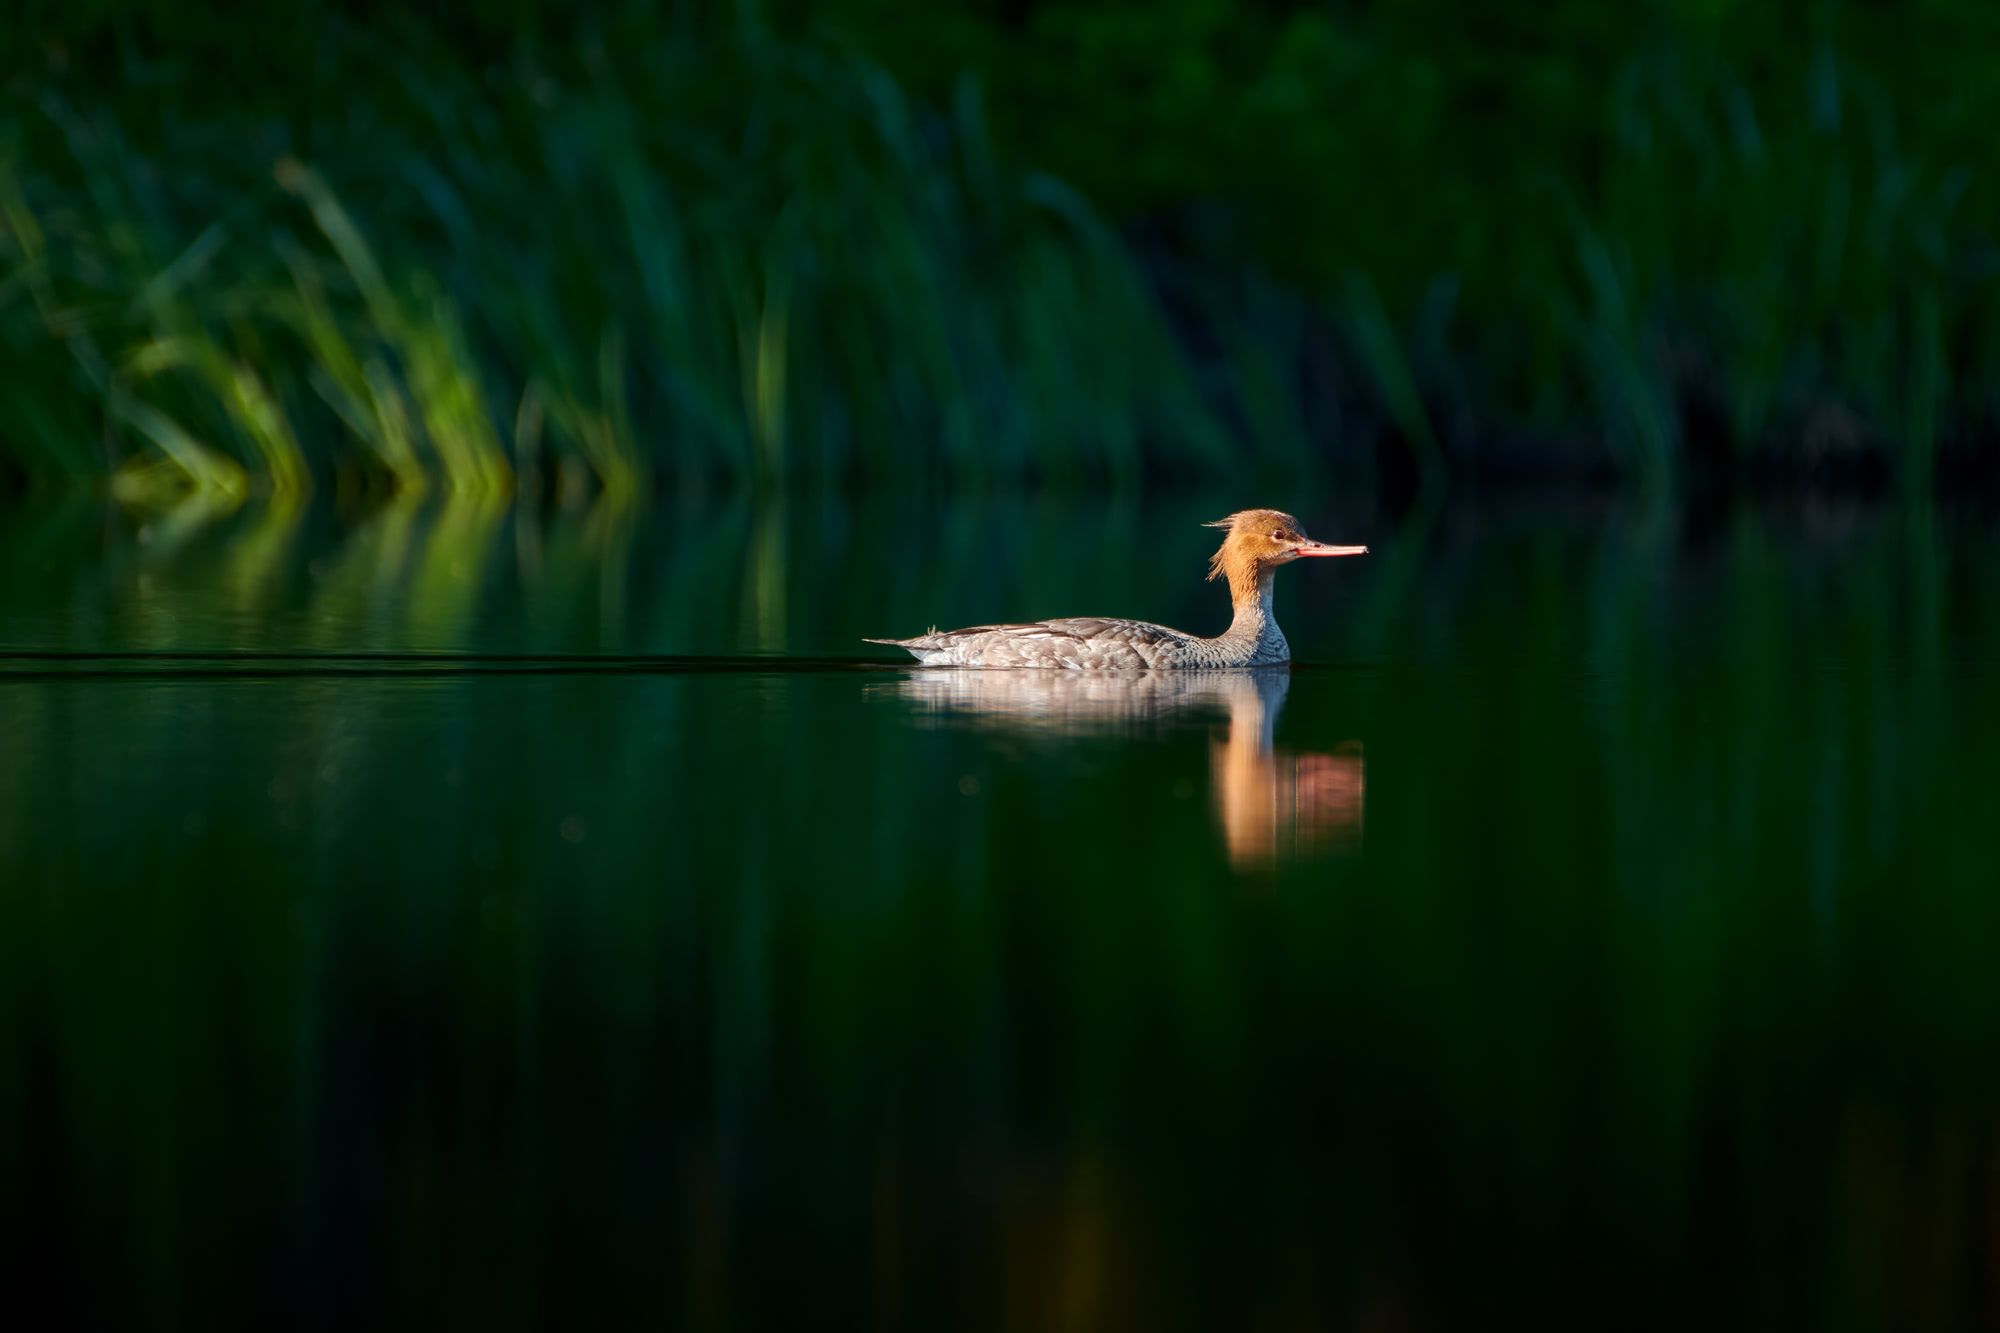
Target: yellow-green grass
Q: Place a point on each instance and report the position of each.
(725, 256)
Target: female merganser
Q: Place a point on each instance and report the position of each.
(1259, 541)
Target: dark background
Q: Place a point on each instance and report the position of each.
(459, 862)
(1676, 242)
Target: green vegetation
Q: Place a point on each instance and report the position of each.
(582, 282)
(651, 246)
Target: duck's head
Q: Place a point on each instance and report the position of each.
(1262, 539)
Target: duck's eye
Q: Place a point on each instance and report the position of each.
(1277, 534)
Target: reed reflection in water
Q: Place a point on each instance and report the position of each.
(436, 909)
(1269, 802)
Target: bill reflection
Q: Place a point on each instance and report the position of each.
(1269, 802)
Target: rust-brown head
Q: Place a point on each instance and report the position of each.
(1260, 540)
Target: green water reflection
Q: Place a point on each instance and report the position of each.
(1599, 923)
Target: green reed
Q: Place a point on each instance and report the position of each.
(730, 251)
(591, 284)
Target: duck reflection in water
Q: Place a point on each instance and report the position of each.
(1268, 801)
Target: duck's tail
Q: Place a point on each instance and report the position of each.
(912, 645)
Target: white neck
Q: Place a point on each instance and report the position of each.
(1253, 637)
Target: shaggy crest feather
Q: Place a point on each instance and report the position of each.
(1245, 520)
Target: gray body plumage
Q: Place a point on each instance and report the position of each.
(1098, 643)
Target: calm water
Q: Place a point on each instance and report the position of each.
(445, 916)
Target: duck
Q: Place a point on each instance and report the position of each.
(1257, 542)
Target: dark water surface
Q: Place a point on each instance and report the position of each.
(445, 916)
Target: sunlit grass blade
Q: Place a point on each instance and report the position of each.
(199, 466)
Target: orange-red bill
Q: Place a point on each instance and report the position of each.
(1321, 548)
